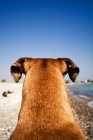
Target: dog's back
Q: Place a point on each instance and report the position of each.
(45, 113)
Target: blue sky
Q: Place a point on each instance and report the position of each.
(49, 29)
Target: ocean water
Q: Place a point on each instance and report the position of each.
(82, 90)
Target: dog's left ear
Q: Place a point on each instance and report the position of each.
(16, 70)
(72, 69)
(16, 73)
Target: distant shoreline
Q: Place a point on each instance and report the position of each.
(89, 100)
(66, 83)
(77, 83)
(11, 83)
(81, 93)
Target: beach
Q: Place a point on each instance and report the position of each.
(83, 113)
(10, 106)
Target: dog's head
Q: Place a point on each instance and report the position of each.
(65, 65)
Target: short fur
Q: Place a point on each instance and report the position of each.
(45, 112)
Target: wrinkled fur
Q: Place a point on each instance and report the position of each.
(45, 112)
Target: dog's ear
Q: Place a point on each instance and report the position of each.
(17, 70)
(16, 73)
(71, 68)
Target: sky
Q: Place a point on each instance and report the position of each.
(46, 29)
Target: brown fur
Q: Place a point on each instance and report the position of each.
(45, 112)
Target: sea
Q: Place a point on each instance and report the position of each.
(84, 91)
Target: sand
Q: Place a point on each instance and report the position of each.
(10, 106)
(83, 113)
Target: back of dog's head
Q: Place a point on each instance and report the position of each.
(65, 65)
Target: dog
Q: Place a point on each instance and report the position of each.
(45, 112)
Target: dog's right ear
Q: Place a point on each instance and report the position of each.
(71, 68)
